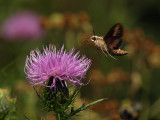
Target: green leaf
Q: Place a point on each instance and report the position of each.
(28, 118)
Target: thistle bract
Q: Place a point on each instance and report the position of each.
(52, 65)
(60, 94)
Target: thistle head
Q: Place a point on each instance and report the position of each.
(56, 65)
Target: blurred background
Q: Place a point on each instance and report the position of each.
(130, 83)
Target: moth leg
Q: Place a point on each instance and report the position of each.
(104, 54)
(109, 54)
(103, 51)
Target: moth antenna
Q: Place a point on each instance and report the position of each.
(94, 33)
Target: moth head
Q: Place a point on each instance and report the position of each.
(93, 38)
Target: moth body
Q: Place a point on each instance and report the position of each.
(111, 42)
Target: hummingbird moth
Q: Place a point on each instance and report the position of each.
(111, 42)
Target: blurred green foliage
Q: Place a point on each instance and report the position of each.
(102, 14)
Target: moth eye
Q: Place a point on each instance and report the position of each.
(93, 38)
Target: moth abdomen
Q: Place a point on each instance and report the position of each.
(118, 52)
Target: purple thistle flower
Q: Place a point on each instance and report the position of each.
(22, 25)
(61, 65)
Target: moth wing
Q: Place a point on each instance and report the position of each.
(113, 37)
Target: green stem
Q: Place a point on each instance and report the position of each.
(58, 117)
